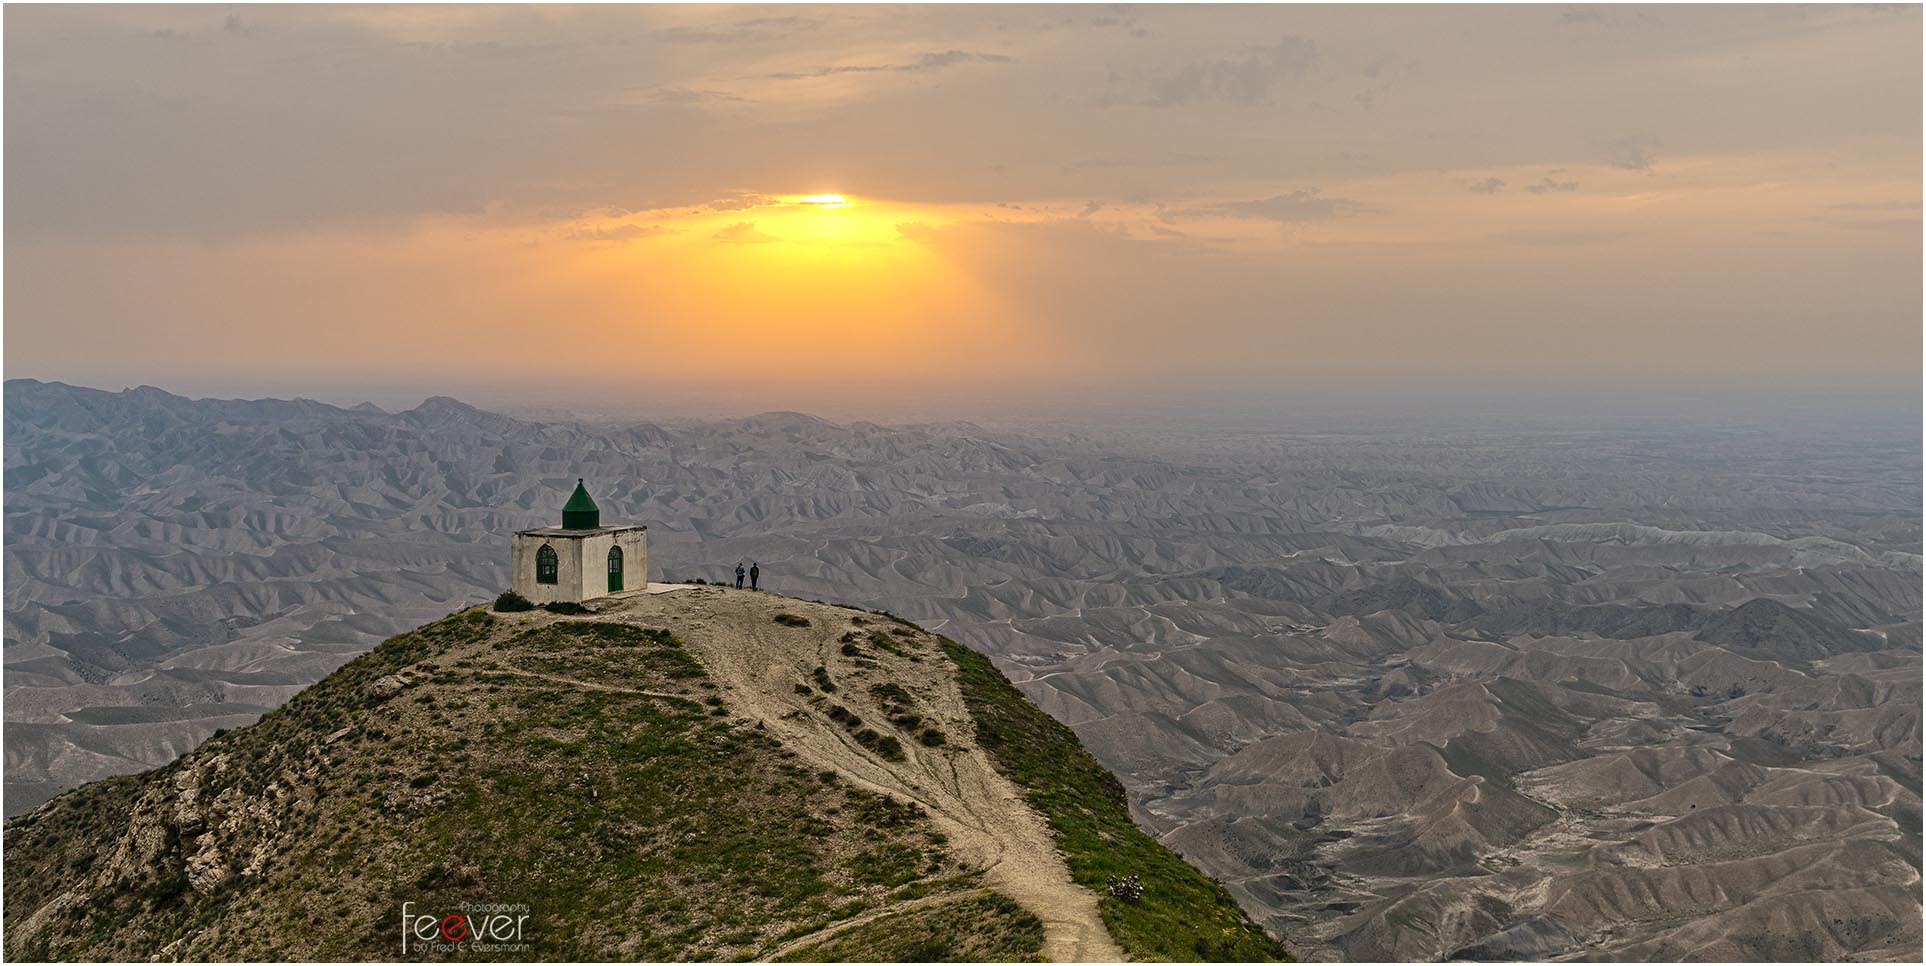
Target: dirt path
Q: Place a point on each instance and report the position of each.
(835, 929)
(592, 686)
(988, 823)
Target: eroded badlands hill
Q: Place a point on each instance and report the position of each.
(1417, 685)
(690, 775)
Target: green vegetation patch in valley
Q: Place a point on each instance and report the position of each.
(1184, 915)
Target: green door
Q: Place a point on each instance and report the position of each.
(615, 569)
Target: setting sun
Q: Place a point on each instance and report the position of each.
(1362, 475)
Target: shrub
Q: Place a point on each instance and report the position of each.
(510, 602)
(791, 620)
(890, 692)
(932, 738)
(164, 890)
(885, 745)
(565, 607)
(884, 642)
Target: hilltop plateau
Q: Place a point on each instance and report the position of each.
(690, 774)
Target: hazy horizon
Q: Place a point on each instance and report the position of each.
(887, 213)
(1370, 483)
(1540, 409)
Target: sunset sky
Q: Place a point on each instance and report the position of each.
(854, 209)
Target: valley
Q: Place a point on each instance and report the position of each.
(1463, 691)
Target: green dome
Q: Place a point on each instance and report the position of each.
(580, 512)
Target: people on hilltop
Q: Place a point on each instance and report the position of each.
(755, 571)
(739, 573)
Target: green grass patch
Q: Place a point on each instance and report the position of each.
(885, 642)
(1184, 915)
(633, 825)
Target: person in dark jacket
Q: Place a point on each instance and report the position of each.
(738, 575)
(755, 570)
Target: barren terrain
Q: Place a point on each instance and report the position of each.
(1545, 690)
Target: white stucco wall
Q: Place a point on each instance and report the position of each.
(582, 563)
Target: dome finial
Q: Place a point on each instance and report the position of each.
(580, 512)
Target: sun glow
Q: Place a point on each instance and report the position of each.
(823, 286)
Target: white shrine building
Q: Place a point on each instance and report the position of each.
(581, 559)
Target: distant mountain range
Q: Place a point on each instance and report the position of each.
(1499, 693)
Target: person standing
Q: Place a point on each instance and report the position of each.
(738, 575)
(755, 570)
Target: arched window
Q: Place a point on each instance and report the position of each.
(547, 567)
(615, 569)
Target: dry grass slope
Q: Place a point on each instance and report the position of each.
(662, 780)
(586, 769)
